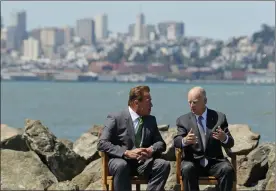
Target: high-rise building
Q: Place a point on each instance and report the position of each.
(179, 28)
(11, 39)
(139, 27)
(85, 29)
(149, 30)
(101, 26)
(50, 39)
(131, 30)
(31, 49)
(18, 20)
(68, 34)
(35, 33)
(171, 32)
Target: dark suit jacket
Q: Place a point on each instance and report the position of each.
(213, 147)
(118, 135)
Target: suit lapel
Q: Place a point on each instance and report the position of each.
(129, 126)
(209, 125)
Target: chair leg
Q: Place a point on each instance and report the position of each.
(138, 187)
(112, 186)
(234, 186)
(105, 187)
(181, 185)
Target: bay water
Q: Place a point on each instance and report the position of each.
(70, 109)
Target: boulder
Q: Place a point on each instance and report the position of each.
(168, 136)
(245, 139)
(95, 130)
(11, 138)
(61, 160)
(270, 175)
(24, 171)
(164, 127)
(86, 146)
(90, 175)
(67, 143)
(95, 186)
(65, 185)
(254, 166)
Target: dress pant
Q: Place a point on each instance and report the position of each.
(156, 171)
(221, 169)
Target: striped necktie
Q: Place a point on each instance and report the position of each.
(138, 135)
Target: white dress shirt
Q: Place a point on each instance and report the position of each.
(135, 118)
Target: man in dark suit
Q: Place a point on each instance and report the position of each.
(201, 133)
(134, 144)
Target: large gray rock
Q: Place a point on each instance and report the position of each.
(90, 175)
(95, 186)
(254, 166)
(11, 138)
(86, 146)
(24, 171)
(267, 182)
(61, 160)
(168, 136)
(164, 127)
(95, 130)
(245, 139)
(66, 185)
(69, 144)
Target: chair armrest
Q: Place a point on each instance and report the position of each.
(105, 159)
(178, 153)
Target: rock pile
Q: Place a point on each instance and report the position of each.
(50, 163)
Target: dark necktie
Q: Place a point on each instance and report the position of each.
(138, 135)
(200, 118)
(202, 131)
(203, 161)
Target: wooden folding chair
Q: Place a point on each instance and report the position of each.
(209, 180)
(107, 180)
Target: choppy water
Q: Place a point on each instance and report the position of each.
(69, 109)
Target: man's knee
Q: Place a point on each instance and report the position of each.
(164, 165)
(119, 166)
(227, 169)
(187, 168)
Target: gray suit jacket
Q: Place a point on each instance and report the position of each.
(213, 147)
(118, 135)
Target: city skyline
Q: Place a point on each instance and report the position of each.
(208, 21)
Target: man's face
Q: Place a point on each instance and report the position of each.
(144, 106)
(196, 103)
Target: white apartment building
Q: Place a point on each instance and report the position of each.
(171, 32)
(31, 49)
(101, 26)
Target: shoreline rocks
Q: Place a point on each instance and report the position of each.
(59, 164)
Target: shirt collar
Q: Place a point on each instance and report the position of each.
(204, 115)
(133, 114)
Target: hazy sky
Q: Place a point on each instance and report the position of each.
(211, 19)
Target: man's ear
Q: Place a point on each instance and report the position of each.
(205, 100)
(135, 102)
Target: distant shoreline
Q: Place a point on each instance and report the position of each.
(206, 82)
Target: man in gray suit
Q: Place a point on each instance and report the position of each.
(134, 144)
(201, 134)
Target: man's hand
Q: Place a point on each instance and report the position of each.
(190, 138)
(135, 153)
(219, 134)
(146, 154)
